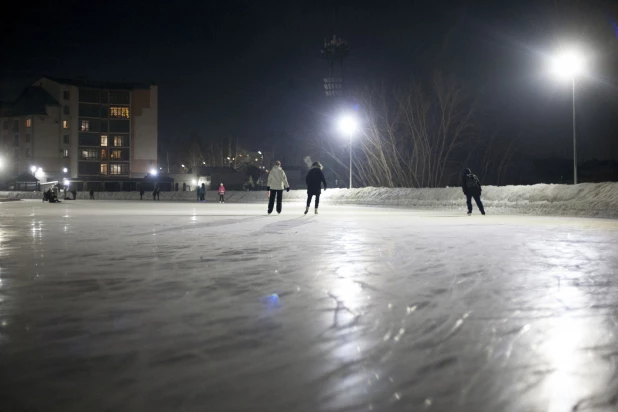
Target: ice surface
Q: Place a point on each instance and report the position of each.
(156, 306)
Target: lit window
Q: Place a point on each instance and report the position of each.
(104, 140)
(66, 139)
(28, 122)
(115, 154)
(65, 153)
(119, 112)
(65, 124)
(103, 168)
(118, 141)
(119, 169)
(89, 154)
(85, 125)
(103, 154)
(27, 138)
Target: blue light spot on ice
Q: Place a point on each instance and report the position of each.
(272, 301)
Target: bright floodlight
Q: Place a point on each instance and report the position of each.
(568, 64)
(347, 124)
(33, 169)
(259, 152)
(65, 170)
(153, 172)
(182, 165)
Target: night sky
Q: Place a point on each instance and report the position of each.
(252, 70)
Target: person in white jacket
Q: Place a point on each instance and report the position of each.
(277, 183)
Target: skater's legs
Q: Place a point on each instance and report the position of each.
(317, 200)
(469, 203)
(279, 200)
(479, 204)
(271, 200)
(309, 200)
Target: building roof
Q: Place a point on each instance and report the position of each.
(24, 178)
(209, 170)
(100, 85)
(33, 100)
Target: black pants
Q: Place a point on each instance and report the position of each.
(317, 200)
(477, 199)
(221, 198)
(271, 200)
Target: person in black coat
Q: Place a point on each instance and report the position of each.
(471, 187)
(315, 179)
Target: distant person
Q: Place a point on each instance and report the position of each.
(74, 193)
(47, 195)
(221, 193)
(154, 194)
(471, 187)
(277, 183)
(92, 194)
(203, 192)
(141, 194)
(198, 193)
(315, 178)
(158, 190)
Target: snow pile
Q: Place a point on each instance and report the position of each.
(586, 199)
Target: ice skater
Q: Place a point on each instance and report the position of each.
(154, 194)
(315, 179)
(158, 192)
(221, 193)
(141, 194)
(471, 187)
(277, 183)
(203, 192)
(92, 194)
(198, 193)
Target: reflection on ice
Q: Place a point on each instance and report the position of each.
(353, 311)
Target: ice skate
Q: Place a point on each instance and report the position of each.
(316, 211)
(306, 210)
(469, 213)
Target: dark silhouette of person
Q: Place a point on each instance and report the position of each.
(315, 179)
(471, 187)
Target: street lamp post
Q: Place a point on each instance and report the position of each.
(347, 125)
(567, 65)
(574, 137)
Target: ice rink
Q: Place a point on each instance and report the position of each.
(156, 306)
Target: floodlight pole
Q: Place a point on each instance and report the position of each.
(350, 159)
(574, 139)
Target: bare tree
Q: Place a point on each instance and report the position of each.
(410, 133)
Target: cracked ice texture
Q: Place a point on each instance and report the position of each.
(192, 307)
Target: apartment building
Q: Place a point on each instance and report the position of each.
(83, 130)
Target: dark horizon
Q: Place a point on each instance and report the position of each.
(254, 72)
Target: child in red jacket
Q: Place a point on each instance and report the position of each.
(221, 193)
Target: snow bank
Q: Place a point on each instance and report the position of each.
(586, 199)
